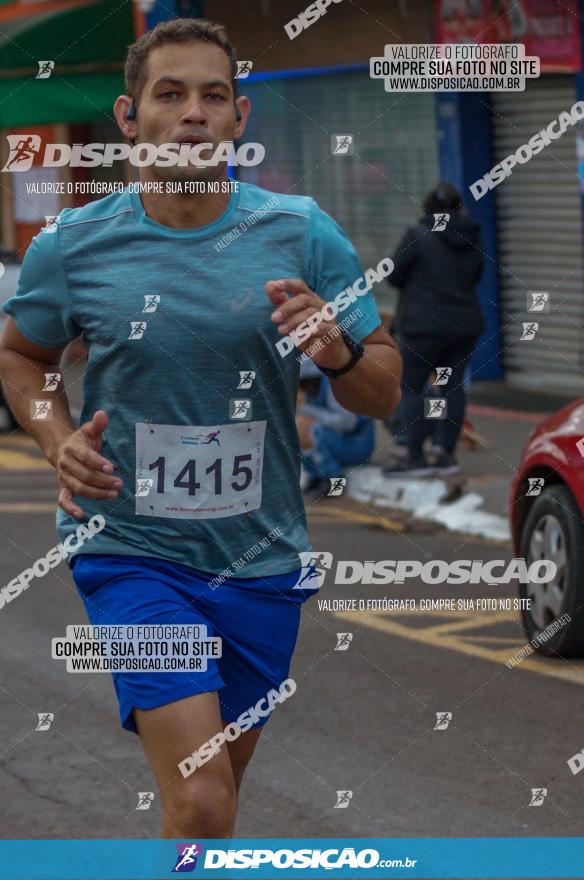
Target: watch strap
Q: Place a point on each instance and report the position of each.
(357, 352)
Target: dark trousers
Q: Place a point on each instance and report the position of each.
(421, 355)
(3, 405)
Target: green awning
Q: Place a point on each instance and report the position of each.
(67, 99)
(87, 44)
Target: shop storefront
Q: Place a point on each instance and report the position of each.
(539, 234)
(532, 221)
(54, 100)
(376, 189)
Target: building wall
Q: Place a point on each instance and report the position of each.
(348, 33)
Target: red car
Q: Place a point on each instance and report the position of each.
(550, 525)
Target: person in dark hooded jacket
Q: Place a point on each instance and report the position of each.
(438, 264)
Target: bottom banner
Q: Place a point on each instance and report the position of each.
(479, 857)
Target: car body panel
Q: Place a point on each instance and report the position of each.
(551, 451)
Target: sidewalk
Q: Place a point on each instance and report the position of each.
(503, 419)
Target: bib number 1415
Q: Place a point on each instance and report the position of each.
(187, 478)
(199, 471)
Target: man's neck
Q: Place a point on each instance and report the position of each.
(184, 210)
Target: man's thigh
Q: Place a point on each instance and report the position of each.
(241, 751)
(171, 733)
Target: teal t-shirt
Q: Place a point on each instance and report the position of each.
(171, 319)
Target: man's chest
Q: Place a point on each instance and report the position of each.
(183, 307)
(154, 303)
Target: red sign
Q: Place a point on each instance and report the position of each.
(549, 29)
(14, 9)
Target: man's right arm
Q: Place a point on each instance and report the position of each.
(22, 370)
(74, 453)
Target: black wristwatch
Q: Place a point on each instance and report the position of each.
(357, 352)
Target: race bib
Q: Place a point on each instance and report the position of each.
(199, 472)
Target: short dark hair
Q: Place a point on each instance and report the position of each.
(178, 30)
(444, 197)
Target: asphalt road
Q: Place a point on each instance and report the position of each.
(362, 719)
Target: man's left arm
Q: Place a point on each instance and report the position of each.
(372, 386)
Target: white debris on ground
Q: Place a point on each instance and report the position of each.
(425, 499)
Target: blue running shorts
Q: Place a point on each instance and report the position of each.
(257, 620)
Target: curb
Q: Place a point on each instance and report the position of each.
(514, 415)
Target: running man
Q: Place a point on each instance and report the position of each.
(147, 399)
(213, 437)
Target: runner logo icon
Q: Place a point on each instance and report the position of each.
(435, 408)
(240, 409)
(50, 226)
(443, 374)
(45, 69)
(538, 795)
(246, 378)
(145, 799)
(530, 328)
(23, 149)
(337, 485)
(243, 69)
(538, 301)
(151, 301)
(536, 484)
(202, 439)
(440, 222)
(313, 564)
(138, 328)
(343, 641)
(342, 144)
(51, 381)
(188, 853)
(41, 410)
(45, 720)
(343, 800)
(443, 719)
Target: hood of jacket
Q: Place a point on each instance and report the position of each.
(461, 232)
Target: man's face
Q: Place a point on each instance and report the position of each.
(187, 97)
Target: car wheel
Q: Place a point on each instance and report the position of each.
(553, 529)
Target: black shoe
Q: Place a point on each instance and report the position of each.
(445, 465)
(418, 467)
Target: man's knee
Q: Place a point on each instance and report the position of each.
(239, 766)
(203, 805)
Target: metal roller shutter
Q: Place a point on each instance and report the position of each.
(539, 228)
(374, 194)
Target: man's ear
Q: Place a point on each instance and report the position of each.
(127, 126)
(243, 109)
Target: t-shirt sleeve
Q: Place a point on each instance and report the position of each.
(332, 266)
(41, 306)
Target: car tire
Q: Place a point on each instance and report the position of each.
(553, 529)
